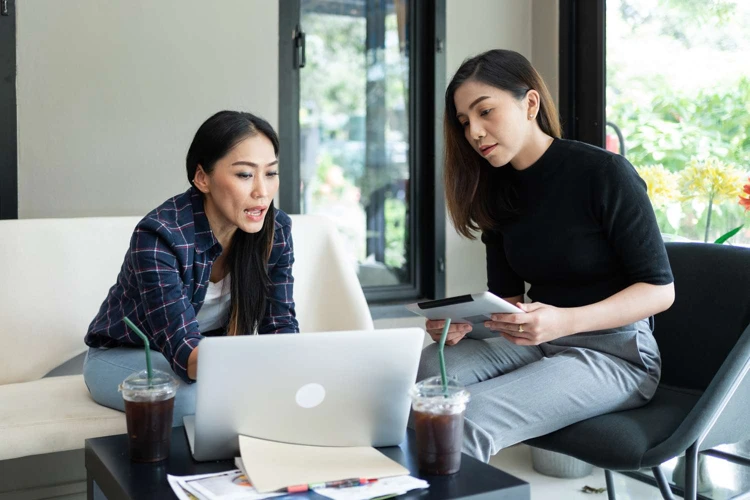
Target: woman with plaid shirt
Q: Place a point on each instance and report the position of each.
(215, 260)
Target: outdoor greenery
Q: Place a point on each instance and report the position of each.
(334, 95)
(686, 126)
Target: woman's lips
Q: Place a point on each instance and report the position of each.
(485, 150)
(255, 214)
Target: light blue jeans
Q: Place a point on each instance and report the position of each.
(104, 369)
(521, 392)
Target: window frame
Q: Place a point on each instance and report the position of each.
(8, 116)
(583, 77)
(427, 203)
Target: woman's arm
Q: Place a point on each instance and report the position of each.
(543, 323)
(166, 310)
(636, 302)
(192, 368)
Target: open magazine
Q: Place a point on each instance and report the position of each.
(229, 485)
(234, 485)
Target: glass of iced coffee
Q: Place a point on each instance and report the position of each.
(149, 405)
(439, 424)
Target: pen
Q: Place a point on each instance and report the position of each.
(343, 483)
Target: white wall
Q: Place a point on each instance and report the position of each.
(95, 75)
(545, 55)
(473, 27)
(110, 94)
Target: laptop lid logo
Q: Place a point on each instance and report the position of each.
(310, 395)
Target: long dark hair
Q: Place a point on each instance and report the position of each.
(249, 252)
(473, 200)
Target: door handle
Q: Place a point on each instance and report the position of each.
(300, 48)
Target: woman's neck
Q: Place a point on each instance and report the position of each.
(536, 145)
(223, 230)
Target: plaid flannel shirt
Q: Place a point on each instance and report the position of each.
(163, 282)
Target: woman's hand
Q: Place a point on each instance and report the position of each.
(456, 331)
(541, 323)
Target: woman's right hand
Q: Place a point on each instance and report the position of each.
(456, 331)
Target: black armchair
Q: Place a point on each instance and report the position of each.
(703, 399)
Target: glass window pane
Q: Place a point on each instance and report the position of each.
(354, 130)
(678, 84)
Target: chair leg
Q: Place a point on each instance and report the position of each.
(661, 480)
(610, 484)
(691, 472)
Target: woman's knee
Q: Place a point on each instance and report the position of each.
(102, 380)
(105, 369)
(478, 443)
(463, 362)
(429, 365)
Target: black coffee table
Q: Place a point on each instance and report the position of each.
(110, 471)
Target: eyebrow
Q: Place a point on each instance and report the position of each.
(476, 101)
(251, 164)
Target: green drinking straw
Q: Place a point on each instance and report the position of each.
(443, 375)
(148, 349)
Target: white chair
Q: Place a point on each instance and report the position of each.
(327, 292)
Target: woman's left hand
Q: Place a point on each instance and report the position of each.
(541, 323)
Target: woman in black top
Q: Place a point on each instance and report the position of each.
(573, 221)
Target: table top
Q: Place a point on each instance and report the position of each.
(108, 464)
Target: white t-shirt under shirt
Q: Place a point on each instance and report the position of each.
(214, 312)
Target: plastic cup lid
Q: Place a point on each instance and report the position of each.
(433, 388)
(161, 383)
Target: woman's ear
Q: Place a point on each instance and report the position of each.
(201, 180)
(533, 100)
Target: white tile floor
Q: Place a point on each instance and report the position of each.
(516, 460)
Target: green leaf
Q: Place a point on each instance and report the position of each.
(724, 237)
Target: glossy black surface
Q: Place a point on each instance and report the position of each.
(108, 465)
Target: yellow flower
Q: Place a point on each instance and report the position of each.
(710, 179)
(661, 184)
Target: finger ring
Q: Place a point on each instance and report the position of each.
(520, 328)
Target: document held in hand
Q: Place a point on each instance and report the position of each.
(272, 466)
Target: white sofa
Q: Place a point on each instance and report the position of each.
(56, 273)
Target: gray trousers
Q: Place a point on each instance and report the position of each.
(105, 369)
(521, 392)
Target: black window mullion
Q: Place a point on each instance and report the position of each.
(583, 70)
(8, 116)
(290, 36)
(434, 258)
(428, 70)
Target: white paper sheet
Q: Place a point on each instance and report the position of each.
(229, 485)
(383, 487)
(273, 465)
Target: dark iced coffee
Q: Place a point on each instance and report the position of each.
(439, 425)
(149, 429)
(148, 412)
(439, 439)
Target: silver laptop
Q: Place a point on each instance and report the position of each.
(325, 389)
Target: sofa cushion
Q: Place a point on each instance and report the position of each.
(56, 273)
(52, 414)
